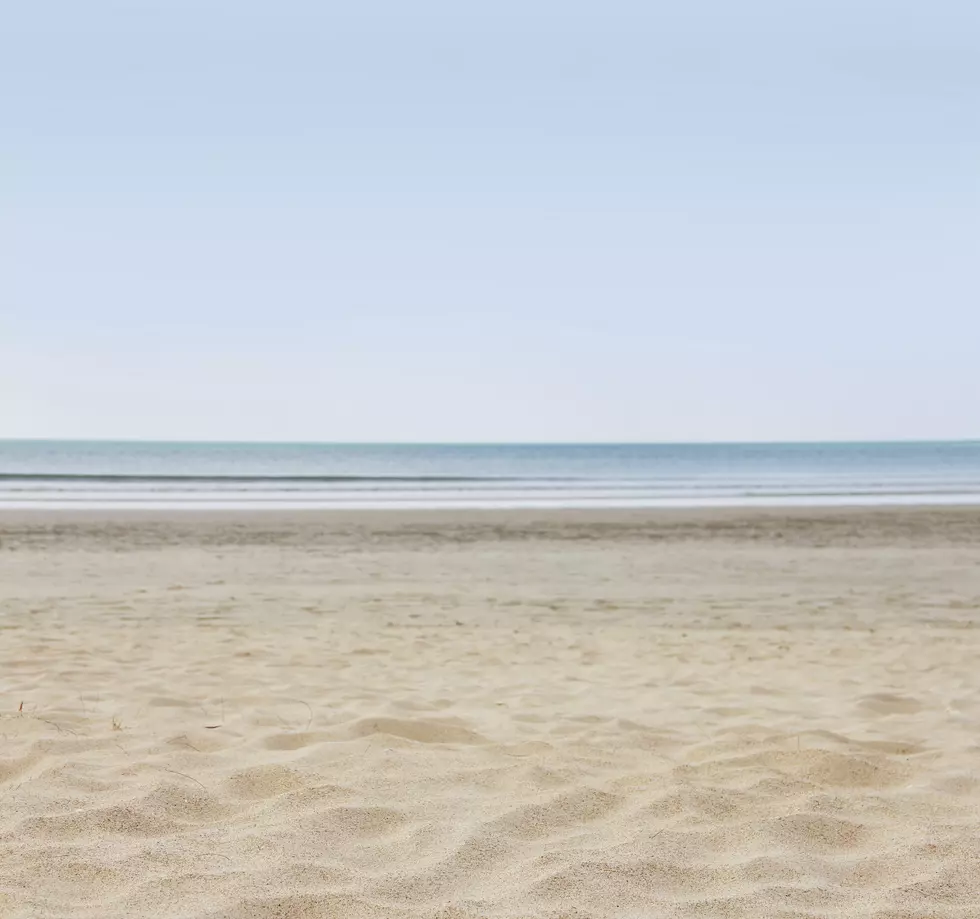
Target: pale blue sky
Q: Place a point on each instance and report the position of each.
(509, 221)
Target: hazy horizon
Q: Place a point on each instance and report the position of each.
(492, 443)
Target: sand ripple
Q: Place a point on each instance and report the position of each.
(533, 728)
(413, 817)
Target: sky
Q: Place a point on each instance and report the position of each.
(526, 220)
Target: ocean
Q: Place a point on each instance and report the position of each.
(211, 475)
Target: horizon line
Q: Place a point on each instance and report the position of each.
(487, 443)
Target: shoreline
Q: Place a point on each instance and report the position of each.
(597, 513)
(801, 502)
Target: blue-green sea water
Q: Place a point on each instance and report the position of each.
(109, 474)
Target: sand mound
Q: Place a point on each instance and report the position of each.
(369, 826)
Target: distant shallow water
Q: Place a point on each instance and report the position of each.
(64, 474)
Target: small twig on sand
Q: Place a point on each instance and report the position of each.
(182, 741)
(184, 774)
(309, 708)
(61, 729)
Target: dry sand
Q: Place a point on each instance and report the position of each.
(700, 714)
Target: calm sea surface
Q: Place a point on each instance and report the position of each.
(105, 474)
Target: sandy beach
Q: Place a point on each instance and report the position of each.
(619, 715)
